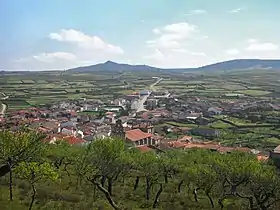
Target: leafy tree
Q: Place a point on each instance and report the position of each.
(148, 165)
(103, 161)
(262, 190)
(63, 155)
(33, 172)
(17, 147)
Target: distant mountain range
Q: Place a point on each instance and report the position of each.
(240, 64)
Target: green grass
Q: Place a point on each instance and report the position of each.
(254, 92)
(220, 125)
(181, 124)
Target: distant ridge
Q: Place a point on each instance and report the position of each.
(238, 64)
(113, 66)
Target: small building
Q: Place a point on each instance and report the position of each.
(138, 137)
(215, 110)
(205, 132)
(144, 93)
(146, 127)
(275, 156)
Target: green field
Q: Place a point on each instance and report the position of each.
(48, 87)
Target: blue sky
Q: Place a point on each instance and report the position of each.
(60, 34)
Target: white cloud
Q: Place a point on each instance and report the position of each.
(157, 55)
(156, 31)
(49, 57)
(175, 45)
(232, 51)
(86, 42)
(237, 10)
(173, 35)
(47, 61)
(87, 49)
(196, 12)
(256, 45)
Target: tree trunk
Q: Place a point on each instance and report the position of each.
(220, 202)
(110, 186)
(10, 179)
(148, 188)
(33, 196)
(251, 201)
(94, 192)
(210, 199)
(68, 174)
(136, 183)
(11, 186)
(103, 180)
(108, 196)
(195, 194)
(157, 196)
(180, 186)
(165, 178)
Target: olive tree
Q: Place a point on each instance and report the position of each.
(17, 147)
(33, 172)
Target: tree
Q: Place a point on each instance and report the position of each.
(204, 178)
(62, 155)
(33, 172)
(262, 190)
(17, 147)
(148, 165)
(103, 161)
(234, 171)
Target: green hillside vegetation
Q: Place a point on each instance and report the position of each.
(109, 174)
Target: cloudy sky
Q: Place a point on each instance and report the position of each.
(60, 34)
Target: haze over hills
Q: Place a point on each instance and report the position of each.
(238, 64)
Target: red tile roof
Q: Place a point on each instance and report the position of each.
(242, 149)
(73, 113)
(225, 149)
(186, 138)
(73, 140)
(262, 157)
(43, 129)
(144, 148)
(176, 144)
(136, 134)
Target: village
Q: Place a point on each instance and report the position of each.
(148, 120)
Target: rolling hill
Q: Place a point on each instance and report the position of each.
(239, 64)
(115, 67)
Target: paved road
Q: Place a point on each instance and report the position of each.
(4, 106)
(153, 85)
(143, 99)
(141, 102)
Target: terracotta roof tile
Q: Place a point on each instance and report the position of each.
(74, 140)
(242, 149)
(225, 149)
(186, 138)
(176, 144)
(136, 134)
(262, 157)
(144, 148)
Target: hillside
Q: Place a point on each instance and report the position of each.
(112, 66)
(107, 174)
(221, 66)
(242, 64)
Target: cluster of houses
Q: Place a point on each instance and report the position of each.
(83, 121)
